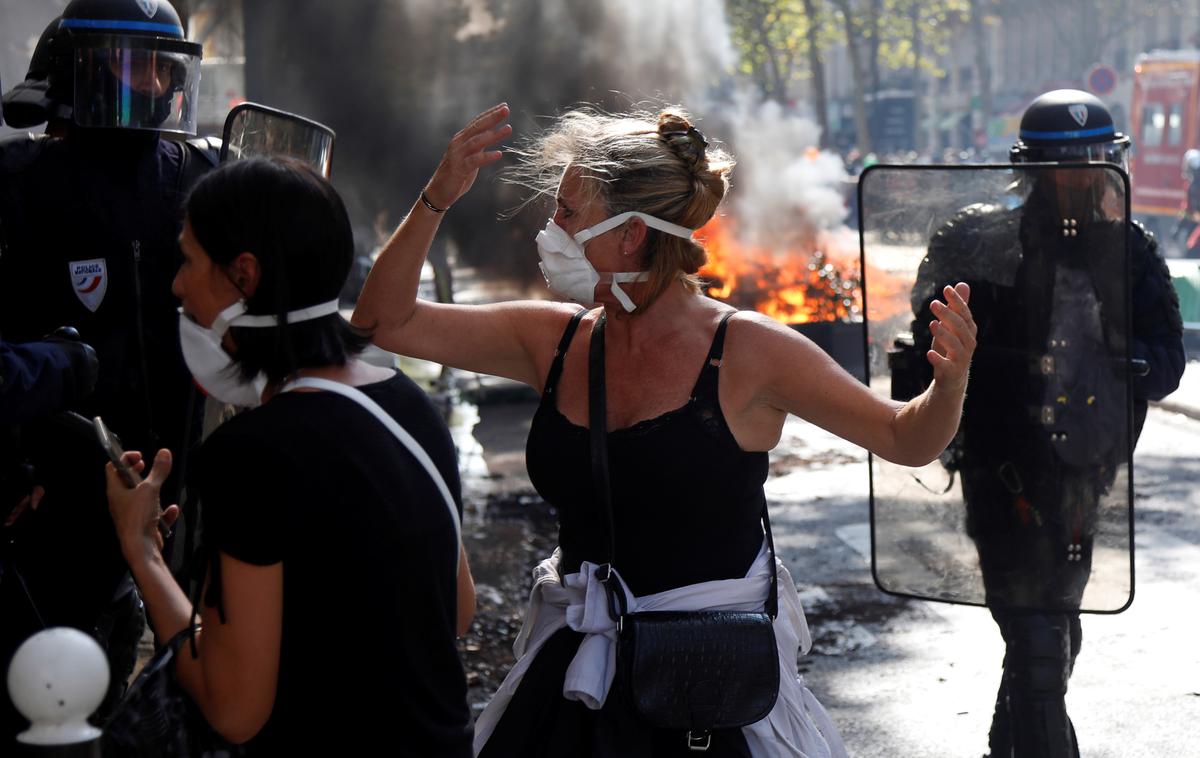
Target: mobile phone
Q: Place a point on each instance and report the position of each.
(116, 455)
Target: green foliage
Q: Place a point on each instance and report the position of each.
(902, 22)
(770, 37)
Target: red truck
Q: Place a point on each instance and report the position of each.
(1165, 123)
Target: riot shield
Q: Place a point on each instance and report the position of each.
(1030, 507)
(256, 130)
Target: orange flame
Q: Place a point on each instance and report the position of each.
(789, 287)
(795, 288)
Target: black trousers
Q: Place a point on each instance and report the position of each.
(1034, 528)
(1030, 720)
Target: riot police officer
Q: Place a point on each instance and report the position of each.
(1041, 441)
(1189, 211)
(89, 220)
(37, 379)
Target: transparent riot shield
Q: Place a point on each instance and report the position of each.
(1030, 507)
(256, 130)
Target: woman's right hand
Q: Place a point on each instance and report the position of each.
(466, 154)
(135, 511)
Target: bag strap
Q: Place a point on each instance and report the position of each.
(400, 433)
(598, 431)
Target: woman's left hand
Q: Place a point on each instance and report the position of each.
(953, 336)
(135, 512)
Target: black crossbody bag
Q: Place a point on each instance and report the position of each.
(692, 671)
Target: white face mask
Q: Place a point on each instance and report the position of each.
(212, 367)
(570, 274)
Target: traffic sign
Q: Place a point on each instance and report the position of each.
(1101, 79)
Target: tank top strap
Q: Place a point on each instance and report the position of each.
(707, 382)
(560, 353)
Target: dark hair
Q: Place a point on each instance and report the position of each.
(292, 220)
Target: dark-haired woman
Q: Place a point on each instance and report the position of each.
(336, 581)
(697, 394)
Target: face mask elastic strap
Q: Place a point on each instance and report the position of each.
(225, 317)
(614, 280)
(622, 298)
(651, 221)
(292, 317)
(626, 276)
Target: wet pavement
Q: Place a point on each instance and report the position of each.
(507, 530)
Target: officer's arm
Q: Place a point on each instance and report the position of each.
(34, 381)
(1157, 324)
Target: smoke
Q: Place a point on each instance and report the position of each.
(787, 191)
(397, 78)
(480, 21)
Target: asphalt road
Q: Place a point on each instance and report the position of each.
(916, 678)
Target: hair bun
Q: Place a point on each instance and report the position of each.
(683, 138)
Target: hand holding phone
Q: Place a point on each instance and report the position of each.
(117, 456)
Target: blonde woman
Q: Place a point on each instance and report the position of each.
(697, 393)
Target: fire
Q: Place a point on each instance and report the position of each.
(791, 287)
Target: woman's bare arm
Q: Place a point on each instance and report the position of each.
(783, 372)
(233, 679)
(491, 339)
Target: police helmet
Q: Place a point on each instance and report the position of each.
(35, 101)
(1068, 125)
(1191, 162)
(130, 65)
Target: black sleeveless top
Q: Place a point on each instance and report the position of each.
(686, 499)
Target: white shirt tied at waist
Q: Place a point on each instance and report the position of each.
(797, 726)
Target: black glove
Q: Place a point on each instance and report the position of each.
(85, 366)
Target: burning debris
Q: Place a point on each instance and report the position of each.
(792, 286)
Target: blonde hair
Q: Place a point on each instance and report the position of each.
(654, 163)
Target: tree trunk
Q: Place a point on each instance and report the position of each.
(983, 66)
(858, 67)
(873, 45)
(918, 82)
(818, 71)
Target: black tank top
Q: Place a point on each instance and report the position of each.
(686, 499)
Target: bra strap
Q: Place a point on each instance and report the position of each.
(712, 363)
(560, 353)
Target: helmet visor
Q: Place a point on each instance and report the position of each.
(127, 82)
(1114, 151)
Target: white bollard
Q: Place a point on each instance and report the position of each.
(57, 678)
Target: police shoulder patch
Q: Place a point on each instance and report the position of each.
(89, 279)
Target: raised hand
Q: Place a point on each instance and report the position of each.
(954, 333)
(467, 153)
